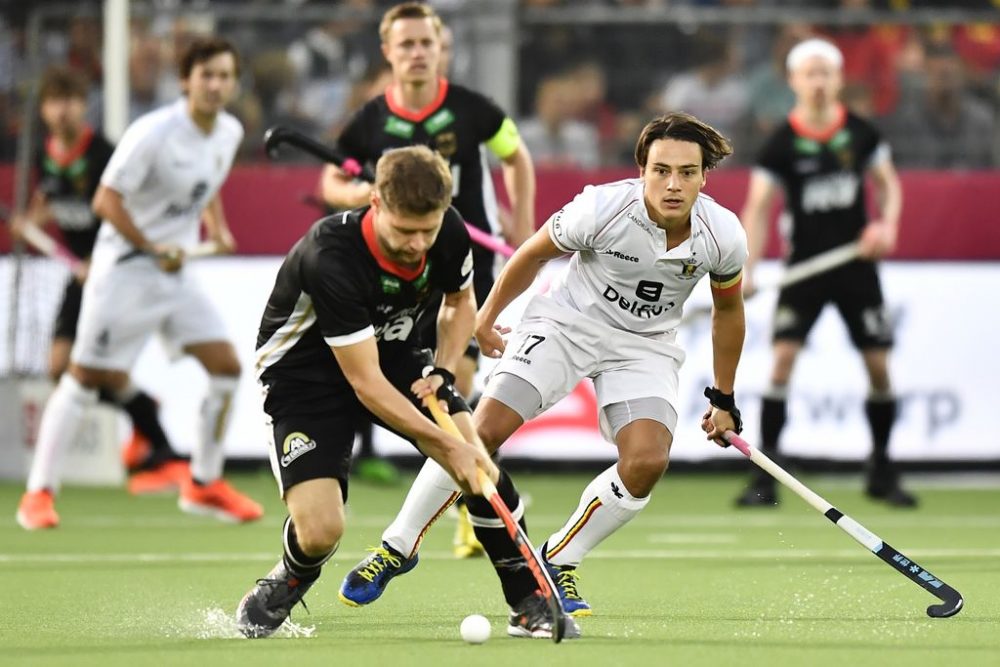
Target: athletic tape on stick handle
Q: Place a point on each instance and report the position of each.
(279, 135)
(951, 600)
(546, 586)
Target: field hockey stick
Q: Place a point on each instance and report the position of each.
(38, 239)
(545, 584)
(951, 600)
(203, 249)
(796, 273)
(279, 135)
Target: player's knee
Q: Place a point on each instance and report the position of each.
(318, 534)
(642, 470)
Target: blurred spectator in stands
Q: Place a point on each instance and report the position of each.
(770, 98)
(947, 128)
(712, 91)
(143, 74)
(553, 135)
(274, 82)
(328, 58)
(870, 53)
(84, 48)
(591, 86)
(372, 84)
(858, 98)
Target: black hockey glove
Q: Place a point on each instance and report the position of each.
(727, 403)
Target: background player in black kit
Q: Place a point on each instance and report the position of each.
(821, 156)
(338, 343)
(69, 169)
(422, 107)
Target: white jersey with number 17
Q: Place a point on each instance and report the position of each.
(622, 273)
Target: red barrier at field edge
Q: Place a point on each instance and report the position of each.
(946, 215)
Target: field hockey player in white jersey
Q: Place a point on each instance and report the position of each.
(639, 247)
(161, 182)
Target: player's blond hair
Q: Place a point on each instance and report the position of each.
(413, 180)
(683, 127)
(408, 10)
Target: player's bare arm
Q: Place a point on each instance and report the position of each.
(109, 204)
(755, 220)
(360, 365)
(878, 238)
(216, 226)
(341, 190)
(728, 332)
(519, 180)
(516, 276)
(455, 323)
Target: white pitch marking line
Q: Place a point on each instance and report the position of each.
(880, 522)
(692, 538)
(634, 554)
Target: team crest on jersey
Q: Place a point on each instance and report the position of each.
(295, 445)
(688, 272)
(446, 144)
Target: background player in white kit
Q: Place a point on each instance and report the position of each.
(639, 247)
(163, 177)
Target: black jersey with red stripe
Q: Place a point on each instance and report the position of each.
(69, 180)
(455, 124)
(823, 174)
(336, 288)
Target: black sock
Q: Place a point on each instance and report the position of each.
(296, 561)
(773, 414)
(881, 416)
(515, 577)
(366, 449)
(142, 410)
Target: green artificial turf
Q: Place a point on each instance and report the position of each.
(692, 581)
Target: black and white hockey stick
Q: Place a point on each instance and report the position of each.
(545, 584)
(794, 274)
(951, 600)
(279, 135)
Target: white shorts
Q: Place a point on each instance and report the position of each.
(555, 347)
(124, 304)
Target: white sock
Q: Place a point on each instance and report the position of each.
(208, 457)
(60, 423)
(600, 513)
(432, 493)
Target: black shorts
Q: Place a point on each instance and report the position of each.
(856, 292)
(482, 283)
(314, 427)
(69, 310)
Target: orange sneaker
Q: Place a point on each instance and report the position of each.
(164, 478)
(220, 500)
(37, 510)
(136, 451)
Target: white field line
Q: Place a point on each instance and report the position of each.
(739, 521)
(630, 554)
(692, 538)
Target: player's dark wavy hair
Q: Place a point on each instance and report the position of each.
(203, 48)
(60, 82)
(684, 127)
(413, 180)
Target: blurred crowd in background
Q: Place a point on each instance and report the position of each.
(583, 88)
